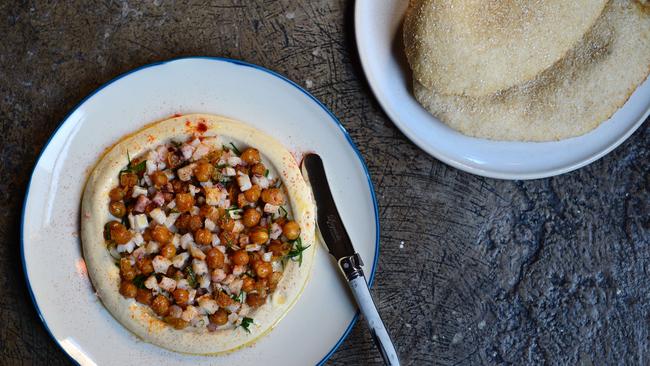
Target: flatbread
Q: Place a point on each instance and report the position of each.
(570, 99)
(105, 276)
(479, 47)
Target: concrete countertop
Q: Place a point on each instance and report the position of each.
(471, 270)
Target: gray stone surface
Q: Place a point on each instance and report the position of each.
(471, 271)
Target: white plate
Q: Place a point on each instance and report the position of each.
(51, 253)
(377, 24)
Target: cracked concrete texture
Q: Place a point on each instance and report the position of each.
(471, 270)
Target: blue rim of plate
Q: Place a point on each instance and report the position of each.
(234, 62)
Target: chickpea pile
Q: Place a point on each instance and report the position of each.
(202, 240)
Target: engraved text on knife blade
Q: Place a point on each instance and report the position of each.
(331, 225)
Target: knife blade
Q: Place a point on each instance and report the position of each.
(338, 243)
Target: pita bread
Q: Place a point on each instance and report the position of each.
(479, 47)
(570, 99)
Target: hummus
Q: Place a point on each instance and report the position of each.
(198, 233)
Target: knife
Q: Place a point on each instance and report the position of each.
(340, 247)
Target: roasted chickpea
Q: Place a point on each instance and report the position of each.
(150, 207)
(220, 317)
(128, 290)
(117, 209)
(145, 266)
(261, 286)
(241, 200)
(116, 194)
(146, 235)
(263, 269)
(214, 156)
(274, 279)
(168, 251)
(291, 230)
(240, 257)
(179, 186)
(273, 196)
(209, 212)
(258, 169)
(251, 217)
(250, 156)
(279, 249)
(119, 233)
(224, 300)
(248, 284)
(203, 171)
(181, 296)
(242, 169)
(259, 236)
(183, 221)
(255, 300)
(203, 236)
(184, 202)
(215, 258)
(227, 238)
(173, 160)
(233, 191)
(177, 323)
(253, 193)
(127, 272)
(128, 180)
(161, 234)
(254, 257)
(158, 178)
(144, 296)
(226, 223)
(160, 305)
(195, 223)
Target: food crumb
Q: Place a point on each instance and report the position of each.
(401, 244)
(309, 83)
(481, 324)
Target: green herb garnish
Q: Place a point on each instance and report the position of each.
(283, 212)
(266, 173)
(239, 298)
(137, 168)
(191, 276)
(245, 323)
(234, 212)
(235, 149)
(296, 253)
(140, 167)
(107, 231)
(138, 281)
(125, 222)
(232, 148)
